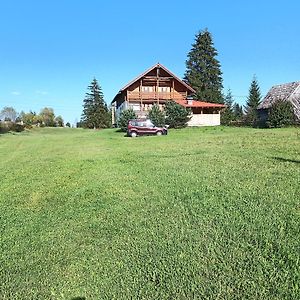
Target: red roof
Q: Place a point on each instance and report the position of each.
(196, 103)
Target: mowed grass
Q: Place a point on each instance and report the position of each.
(203, 213)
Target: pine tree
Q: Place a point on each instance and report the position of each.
(157, 116)
(281, 114)
(95, 112)
(253, 100)
(227, 114)
(237, 112)
(203, 70)
(177, 116)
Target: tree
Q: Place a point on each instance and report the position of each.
(281, 114)
(59, 121)
(227, 114)
(125, 116)
(177, 116)
(47, 117)
(27, 118)
(203, 70)
(237, 112)
(68, 124)
(157, 116)
(95, 112)
(8, 113)
(253, 100)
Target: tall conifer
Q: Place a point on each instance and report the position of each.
(253, 100)
(95, 112)
(203, 70)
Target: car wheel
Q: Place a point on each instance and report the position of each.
(133, 134)
(159, 133)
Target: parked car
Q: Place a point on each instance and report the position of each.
(137, 127)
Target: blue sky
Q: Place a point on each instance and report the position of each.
(51, 50)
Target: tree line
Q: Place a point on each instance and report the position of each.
(11, 120)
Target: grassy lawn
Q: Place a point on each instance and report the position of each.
(208, 213)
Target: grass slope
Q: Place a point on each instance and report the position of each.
(208, 213)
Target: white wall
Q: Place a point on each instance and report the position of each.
(204, 120)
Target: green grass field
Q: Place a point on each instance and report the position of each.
(208, 213)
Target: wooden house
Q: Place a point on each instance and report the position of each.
(286, 92)
(157, 85)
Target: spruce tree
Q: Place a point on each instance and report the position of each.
(253, 100)
(203, 70)
(237, 112)
(157, 116)
(227, 114)
(95, 112)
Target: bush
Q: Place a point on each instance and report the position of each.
(17, 127)
(177, 116)
(281, 114)
(157, 116)
(3, 128)
(125, 116)
(11, 126)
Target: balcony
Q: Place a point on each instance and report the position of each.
(155, 95)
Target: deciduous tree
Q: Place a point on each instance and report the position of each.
(47, 117)
(59, 121)
(8, 113)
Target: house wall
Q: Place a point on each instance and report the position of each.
(204, 120)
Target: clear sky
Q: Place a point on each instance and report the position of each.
(51, 50)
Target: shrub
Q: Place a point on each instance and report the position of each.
(281, 114)
(17, 127)
(157, 116)
(11, 126)
(3, 128)
(177, 116)
(125, 116)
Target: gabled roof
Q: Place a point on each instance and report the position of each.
(286, 92)
(196, 103)
(158, 65)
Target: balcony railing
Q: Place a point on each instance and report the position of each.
(156, 95)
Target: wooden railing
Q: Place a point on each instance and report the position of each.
(156, 95)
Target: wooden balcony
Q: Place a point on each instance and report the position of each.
(155, 95)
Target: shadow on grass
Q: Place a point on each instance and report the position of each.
(286, 160)
(79, 298)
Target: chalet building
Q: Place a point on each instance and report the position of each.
(286, 92)
(158, 85)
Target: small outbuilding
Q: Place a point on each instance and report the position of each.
(285, 92)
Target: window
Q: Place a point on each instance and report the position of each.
(147, 89)
(163, 89)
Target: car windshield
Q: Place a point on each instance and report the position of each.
(149, 123)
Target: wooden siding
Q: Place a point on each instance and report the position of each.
(137, 95)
